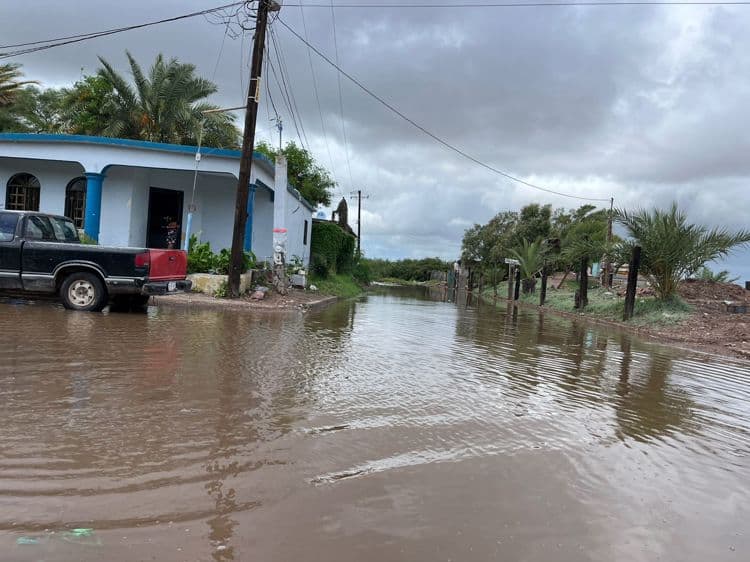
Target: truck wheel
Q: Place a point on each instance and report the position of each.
(83, 291)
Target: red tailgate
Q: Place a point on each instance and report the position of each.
(167, 265)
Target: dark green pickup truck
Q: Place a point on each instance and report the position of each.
(41, 253)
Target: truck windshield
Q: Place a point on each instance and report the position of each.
(8, 222)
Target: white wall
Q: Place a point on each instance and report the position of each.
(53, 178)
(263, 225)
(117, 199)
(296, 215)
(216, 209)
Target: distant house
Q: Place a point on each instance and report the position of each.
(134, 193)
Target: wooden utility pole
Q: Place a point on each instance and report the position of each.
(248, 145)
(359, 196)
(608, 260)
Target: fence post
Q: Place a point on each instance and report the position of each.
(633, 267)
(543, 292)
(583, 284)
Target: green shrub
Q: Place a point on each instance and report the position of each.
(202, 260)
(222, 290)
(200, 256)
(361, 272)
(331, 249)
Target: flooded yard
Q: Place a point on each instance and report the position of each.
(394, 428)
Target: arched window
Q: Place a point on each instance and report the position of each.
(22, 193)
(75, 201)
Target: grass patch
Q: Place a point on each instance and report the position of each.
(648, 311)
(343, 286)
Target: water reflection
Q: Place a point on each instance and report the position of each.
(375, 429)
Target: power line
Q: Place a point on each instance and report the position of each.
(317, 94)
(531, 4)
(341, 95)
(35, 46)
(285, 73)
(431, 134)
(285, 96)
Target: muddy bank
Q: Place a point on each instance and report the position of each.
(294, 300)
(709, 328)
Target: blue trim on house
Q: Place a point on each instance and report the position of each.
(132, 143)
(93, 215)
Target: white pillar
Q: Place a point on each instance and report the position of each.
(279, 210)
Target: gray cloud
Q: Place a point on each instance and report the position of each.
(646, 104)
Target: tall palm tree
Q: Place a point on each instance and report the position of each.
(165, 106)
(10, 84)
(671, 248)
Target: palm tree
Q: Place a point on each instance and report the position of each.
(671, 248)
(165, 106)
(10, 84)
(531, 261)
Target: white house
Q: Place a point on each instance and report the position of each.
(125, 192)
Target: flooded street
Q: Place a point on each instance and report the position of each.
(393, 428)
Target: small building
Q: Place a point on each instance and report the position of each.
(124, 192)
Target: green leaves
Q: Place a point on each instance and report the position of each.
(165, 105)
(530, 257)
(672, 248)
(305, 174)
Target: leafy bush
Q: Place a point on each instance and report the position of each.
(331, 249)
(672, 248)
(222, 291)
(361, 272)
(202, 260)
(405, 270)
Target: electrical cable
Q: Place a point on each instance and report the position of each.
(317, 94)
(429, 133)
(35, 46)
(341, 96)
(286, 78)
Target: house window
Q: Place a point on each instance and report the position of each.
(22, 193)
(304, 235)
(75, 201)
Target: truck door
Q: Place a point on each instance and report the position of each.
(10, 251)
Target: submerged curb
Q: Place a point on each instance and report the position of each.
(205, 302)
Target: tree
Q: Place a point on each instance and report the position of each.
(705, 274)
(86, 106)
(164, 106)
(311, 180)
(530, 259)
(10, 84)
(673, 249)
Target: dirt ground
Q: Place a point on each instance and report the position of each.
(295, 300)
(710, 327)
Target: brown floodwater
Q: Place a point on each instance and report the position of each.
(393, 428)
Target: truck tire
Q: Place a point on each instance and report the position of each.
(84, 292)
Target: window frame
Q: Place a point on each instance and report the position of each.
(28, 192)
(70, 209)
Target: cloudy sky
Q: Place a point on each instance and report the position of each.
(646, 104)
